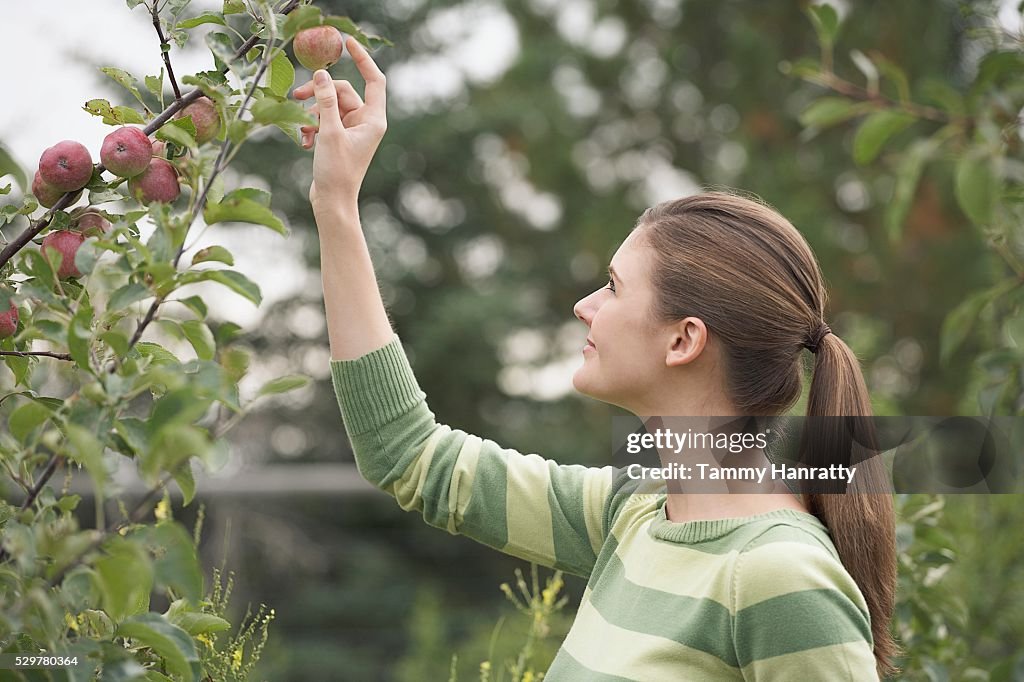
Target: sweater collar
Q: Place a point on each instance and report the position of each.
(691, 532)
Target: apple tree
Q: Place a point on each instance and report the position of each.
(82, 293)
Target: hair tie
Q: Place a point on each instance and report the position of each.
(814, 340)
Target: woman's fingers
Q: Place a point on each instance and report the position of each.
(371, 73)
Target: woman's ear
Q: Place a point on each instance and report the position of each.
(687, 339)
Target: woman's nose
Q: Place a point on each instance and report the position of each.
(582, 310)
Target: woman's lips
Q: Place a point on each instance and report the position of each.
(590, 346)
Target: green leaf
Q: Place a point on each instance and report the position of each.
(80, 337)
(978, 186)
(260, 196)
(237, 282)
(86, 449)
(828, 111)
(908, 173)
(157, 353)
(244, 211)
(960, 321)
(133, 292)
(174, 558)
(272, 111)
(204, 18)
(349, 27)
(283, 385)
(195, 304)
(155, 84)
(199, 335)
(301, 17)
(282, 75)
(187, 483)
(826, 22)
(180, 131)
(194, 622)
(133, 431)
(111, 115)
(894, 73)
(234, 7)
(875, 131)
(213, 253)
(125, 578)
(172, 643)
(25, 418)
(125, 80)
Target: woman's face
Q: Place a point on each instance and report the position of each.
(628, 356)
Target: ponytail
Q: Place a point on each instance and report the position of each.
(862, 524)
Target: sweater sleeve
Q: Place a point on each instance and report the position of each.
(797, 612)
(520, 504)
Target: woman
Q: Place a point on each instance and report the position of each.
(710, 303)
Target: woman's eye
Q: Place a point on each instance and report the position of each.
(611, 285)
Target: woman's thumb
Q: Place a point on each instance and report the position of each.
(327, 100)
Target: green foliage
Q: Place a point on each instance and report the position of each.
(121, 396)
(983, 138)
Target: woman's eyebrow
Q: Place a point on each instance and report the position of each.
(612, 273)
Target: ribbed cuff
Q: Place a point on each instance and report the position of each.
(376, 388)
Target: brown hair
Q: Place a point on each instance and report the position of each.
(743, 269)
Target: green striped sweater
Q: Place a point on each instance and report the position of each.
(762, 597)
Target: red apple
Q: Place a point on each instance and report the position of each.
(91, 223)
(204, 117)
(126, 152)
(46, 194)
(159, 182)
(9, 322)
(66, 166)
(318, 47)
(66, 243)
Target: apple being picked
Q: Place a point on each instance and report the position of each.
(159, 182)
(318, 47)
(9, 322)
(66, 243)
(126, 152)
(204, 117)
(66, 166)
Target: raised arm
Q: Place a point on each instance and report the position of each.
(349, 132)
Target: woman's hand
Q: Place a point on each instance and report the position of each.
(348, 133)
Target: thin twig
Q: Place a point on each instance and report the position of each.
(166, 53)
(23, 354)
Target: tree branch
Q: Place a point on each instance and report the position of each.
(15, 246)
(25, 237)
(166, 53)
(46, 353)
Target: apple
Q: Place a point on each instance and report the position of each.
(159, 182)
(91, 223)
(204, 117)
(66, 243)
(126, 152)
(318, 47)
(47, 195)
(9, 322)
(66, 166)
